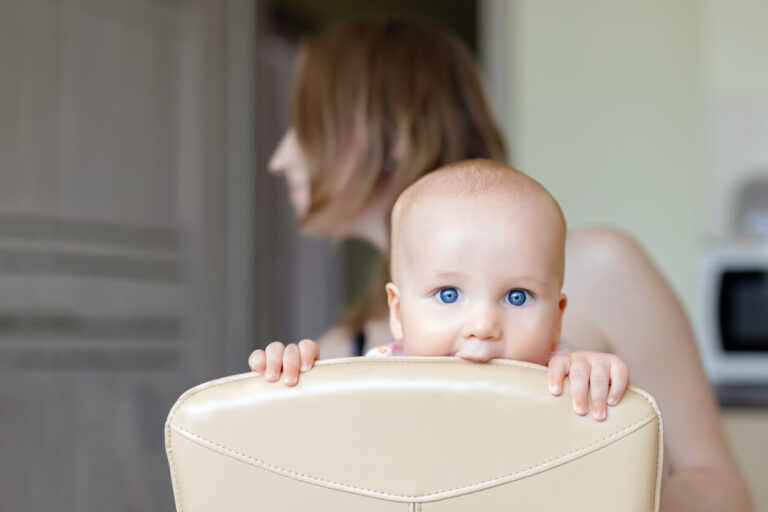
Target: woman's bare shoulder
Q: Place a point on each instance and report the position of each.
(610, 277)
(604, 245)
(594, 256)
(613, 285)
(606, 267)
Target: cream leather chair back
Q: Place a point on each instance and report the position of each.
(407, 435)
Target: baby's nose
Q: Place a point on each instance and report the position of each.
(483, 324)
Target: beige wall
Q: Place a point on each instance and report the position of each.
(606, 112)
(645, 115)
(735, 78)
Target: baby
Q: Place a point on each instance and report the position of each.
(477, 268)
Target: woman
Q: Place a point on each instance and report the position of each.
(378, 104)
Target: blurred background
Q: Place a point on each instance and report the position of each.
(144, 248)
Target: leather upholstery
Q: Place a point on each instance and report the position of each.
(409, 434)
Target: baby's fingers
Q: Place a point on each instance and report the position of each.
(578, 376)
(257, 361)
(309, 354)
(557, 369)
(291, 363)
(274, 353)
(599, 380)
(619, 381)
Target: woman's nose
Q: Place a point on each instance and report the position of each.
(278, 161)
(483, 324)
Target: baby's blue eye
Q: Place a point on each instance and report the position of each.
(517, 297)
(449, 295)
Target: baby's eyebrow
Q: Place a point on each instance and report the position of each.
(529, 282)
(448, 274)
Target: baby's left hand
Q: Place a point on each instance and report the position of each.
(606, 376)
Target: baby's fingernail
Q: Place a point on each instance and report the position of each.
(611, 401)
(289, 380)
(554, 388)
(271, 375)
(304, 367)
(580, 409)
(599, 414)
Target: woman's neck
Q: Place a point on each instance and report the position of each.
(373, 230)
(370, 225)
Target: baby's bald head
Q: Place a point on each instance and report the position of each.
(482, 182)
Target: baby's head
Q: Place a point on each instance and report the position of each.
(477, 265)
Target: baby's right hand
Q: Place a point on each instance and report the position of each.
(288, 359)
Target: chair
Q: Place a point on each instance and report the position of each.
(435, 434)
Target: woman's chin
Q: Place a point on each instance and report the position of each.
(317, 229)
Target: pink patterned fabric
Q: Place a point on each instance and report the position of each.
(391, 349)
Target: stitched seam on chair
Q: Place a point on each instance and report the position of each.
(553, 462)
(174, 479)
(659, 462)
(653, 493)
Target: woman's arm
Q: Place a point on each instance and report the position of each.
(619, 301)
(336, 342)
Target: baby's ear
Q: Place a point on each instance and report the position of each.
(393, 299)
(561, 303)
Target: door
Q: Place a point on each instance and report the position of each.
(114, 176)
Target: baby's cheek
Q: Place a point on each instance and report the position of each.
(425, 345)
(547, 334)
(532, 345)
(420, 331)
(424, 339)
(535, 355)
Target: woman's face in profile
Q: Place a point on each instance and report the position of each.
(288, 160)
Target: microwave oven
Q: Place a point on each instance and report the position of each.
(732, 312)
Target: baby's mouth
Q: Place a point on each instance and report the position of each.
(478, 350)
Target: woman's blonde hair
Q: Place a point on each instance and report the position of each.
(376, 105)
